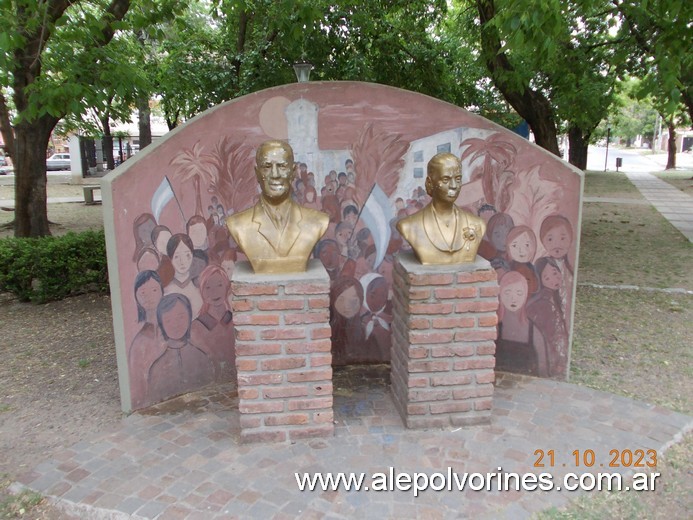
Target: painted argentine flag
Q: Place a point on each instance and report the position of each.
(376, 214)
(162, 196)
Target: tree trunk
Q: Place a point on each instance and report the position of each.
(144, 122)
(107, 142)
(6, 128)
(577, 147)
(31, 210)
(671, 145)
(532, 105)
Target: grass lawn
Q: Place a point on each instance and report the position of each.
(634, 343)
(610, 184)
(681, 179)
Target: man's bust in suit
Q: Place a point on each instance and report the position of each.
(442, 233)
(277, 235)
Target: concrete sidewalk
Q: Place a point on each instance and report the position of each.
(185, 461)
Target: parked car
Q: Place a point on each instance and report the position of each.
(58, 161)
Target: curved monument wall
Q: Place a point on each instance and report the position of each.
(363, 150)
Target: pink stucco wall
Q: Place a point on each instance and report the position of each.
(390, 135)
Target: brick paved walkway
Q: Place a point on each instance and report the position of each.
(183, 460)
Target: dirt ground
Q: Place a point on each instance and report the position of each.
(58, 383)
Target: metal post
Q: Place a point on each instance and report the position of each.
(606, 159)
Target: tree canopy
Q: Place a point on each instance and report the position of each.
(554, 63)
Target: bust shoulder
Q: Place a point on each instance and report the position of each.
(318, 218)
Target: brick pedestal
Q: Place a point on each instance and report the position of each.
(443, 342)
(283, 353)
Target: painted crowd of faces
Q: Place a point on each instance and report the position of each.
(185, 339)
(535, 293)
(182, 288)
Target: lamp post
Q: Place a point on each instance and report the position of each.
(606, 159)
(302, 70)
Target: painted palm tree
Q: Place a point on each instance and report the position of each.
(378, 159)
(196, 166)
(234, 181)
(496, 157)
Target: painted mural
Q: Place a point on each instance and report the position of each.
(361, 152)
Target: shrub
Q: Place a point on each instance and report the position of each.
(51, 268)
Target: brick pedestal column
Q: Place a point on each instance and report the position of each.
(283, 353)
(443, 346)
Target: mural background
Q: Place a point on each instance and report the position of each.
(361, 152)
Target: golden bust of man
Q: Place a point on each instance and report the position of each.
(277, 235)
(442, 233)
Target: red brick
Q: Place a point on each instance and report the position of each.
(245, 335)
(476, 335)
(263, 436)
(261, 407)
(324, 430)
(248, 393)
(485, 390)
(426, 338)
(286, 419)
(258, 349)
(477, 306)
(250, 421)
(451, 407)
(417, 382)
(241, 305)
(251, 289)
(309, 375)
(451, 379)
(452, 322)
(430, 279)
(446, 293)
(486, 377)
(428, 421)
(323, 389)
(310, 404)
(319, 303)
(430, 395)
(246, 365)
(431, 308)
(259, 379)
(464, 393)
(323, 416)
(439, 351)
(419, 293)
(488, 321)
(320, 316)
(492, 290)
(293, 333)
(419, 323)
(280, 392)
(477, 276)
(486, 348)
(308, 347)
(283, 363)
(417, 409)
(320, 360)
(281, 304)
(321, 333)
(471, 364)
(483, 404)
(256, 319)
(307, 288)
(429, 366)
